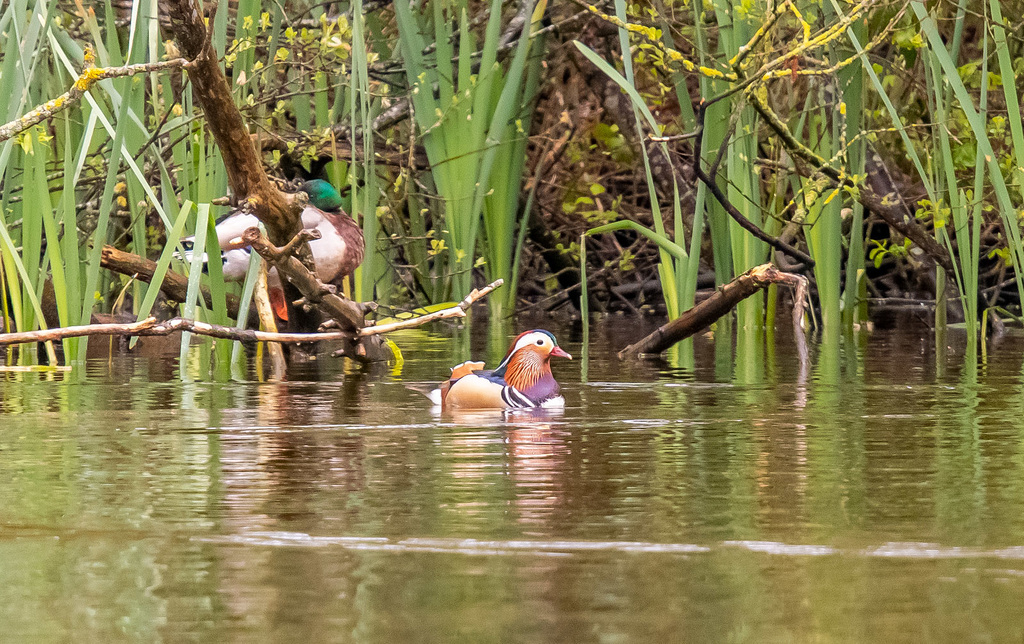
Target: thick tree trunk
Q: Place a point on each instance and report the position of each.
(279, 212)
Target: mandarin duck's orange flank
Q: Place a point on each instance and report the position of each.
(522, 380)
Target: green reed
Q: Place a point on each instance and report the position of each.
(464, 118)
(365, 196)
(950, 93)
(851, 80)
(740, 176)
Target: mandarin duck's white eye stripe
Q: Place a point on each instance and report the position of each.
(537, 338)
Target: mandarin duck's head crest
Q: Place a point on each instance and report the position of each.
(537, 346)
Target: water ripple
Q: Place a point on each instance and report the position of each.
(898, 550)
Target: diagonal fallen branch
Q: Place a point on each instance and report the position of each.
(723, 301)
(349, 314)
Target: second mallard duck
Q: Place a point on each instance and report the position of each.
(337, 253)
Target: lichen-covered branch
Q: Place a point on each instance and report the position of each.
(150, 326)
(651, 35)
(890, 212)
(457, 311)
(90, 76)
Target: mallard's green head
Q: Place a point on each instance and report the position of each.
(323, 195)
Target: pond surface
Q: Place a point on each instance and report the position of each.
(878, 496)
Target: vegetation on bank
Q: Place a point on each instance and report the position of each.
(876, 147)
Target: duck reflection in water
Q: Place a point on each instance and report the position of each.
(528, 447)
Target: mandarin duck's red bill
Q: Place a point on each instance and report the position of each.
(523, 380)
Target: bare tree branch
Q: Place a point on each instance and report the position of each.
(150, 326)
(174, 286)
(457, 311)
(90, 76)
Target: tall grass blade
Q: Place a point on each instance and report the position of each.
(192, 295)
(164, 262)
(584, 310)
(977, 122)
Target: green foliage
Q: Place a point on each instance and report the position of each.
(470, 119)
(133, 165)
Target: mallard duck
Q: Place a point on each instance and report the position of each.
(522, 380)
(337, 253)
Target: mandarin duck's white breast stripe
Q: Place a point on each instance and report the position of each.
(514, 398)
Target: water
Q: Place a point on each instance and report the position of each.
(877, 497)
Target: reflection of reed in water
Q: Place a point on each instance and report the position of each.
(287, 465)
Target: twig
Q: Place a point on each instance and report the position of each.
(457, 311)
(734, 212)
(265, 311)
(89, 77)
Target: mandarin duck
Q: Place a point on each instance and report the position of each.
(337, 253)
(523, 380)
